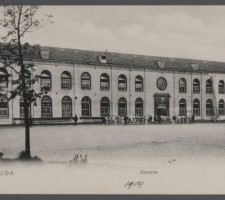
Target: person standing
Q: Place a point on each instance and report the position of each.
(75, 120)
(155, 119)
(192, 119)
(159, 119)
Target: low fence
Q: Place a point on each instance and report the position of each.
(59, 120)
(100, 120)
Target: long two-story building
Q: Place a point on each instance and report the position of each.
(93, 84)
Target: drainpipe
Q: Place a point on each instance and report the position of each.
(111, 88)
(74, 94)
(144, 88)
(201, 98)
(192, 94)
(129, 92)
(174, 93)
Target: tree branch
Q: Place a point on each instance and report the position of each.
(25, 30)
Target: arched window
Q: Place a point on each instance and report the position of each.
(122, 107)
(221, 107)
(86, 107)
(221, 87)
(182, 85)
(85, 81)
(139, 107)
(22, 108)
(196, 86)
(209, 107)
(66, 107)
(105, 107)
(138, 84)
(104, 82)
(27, 75)
(209, 86)
(4, 106)
(122, 83)
(46, 79)
(182, 107)
(3, 78)
(66, 80)
(196, 107)
(46, 106)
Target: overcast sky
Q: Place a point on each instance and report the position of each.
(172, 31)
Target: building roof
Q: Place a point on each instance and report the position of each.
(130, 60)
(119, 59)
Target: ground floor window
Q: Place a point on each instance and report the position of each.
(46, 106)
(209, 107)
(196, 107)
(66, 107)
(86, 107)
(22, 115)
(221, 107)
(105, 107)
(182, 107)
(122, 107)
(4, 107)
(139, 107)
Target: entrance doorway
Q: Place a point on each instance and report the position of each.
(161, 104)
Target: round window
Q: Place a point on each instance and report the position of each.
(161, 83)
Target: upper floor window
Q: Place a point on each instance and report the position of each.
(182, 85)
(104, 82)
(85, 81)
(4, 107)
(209, 86)
(138, 84)
(66, 80)
(182, 107)
(66, 106)
(221, 87)
(3, 78)
(86, 107)
(196, 107)
(196, 86)
(46, 79)
(221, 107)
(209, 107)
(122, 83)
(27, 76)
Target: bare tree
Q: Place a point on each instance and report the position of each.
(17, 22)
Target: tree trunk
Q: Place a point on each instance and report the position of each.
(27, 126)
(27, 139)
(25, 92)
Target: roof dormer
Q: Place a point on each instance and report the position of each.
(161, 64)
(45, 54)
(102, 59)
(194, 66)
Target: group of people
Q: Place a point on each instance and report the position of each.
(79, 159)
(149, 119)
(117, 120)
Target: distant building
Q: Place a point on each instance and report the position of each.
(93, 84)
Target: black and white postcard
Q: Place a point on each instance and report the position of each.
(112, 99)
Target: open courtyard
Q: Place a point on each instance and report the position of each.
(119, 145)
(177, 159)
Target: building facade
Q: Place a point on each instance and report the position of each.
(95, 84)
